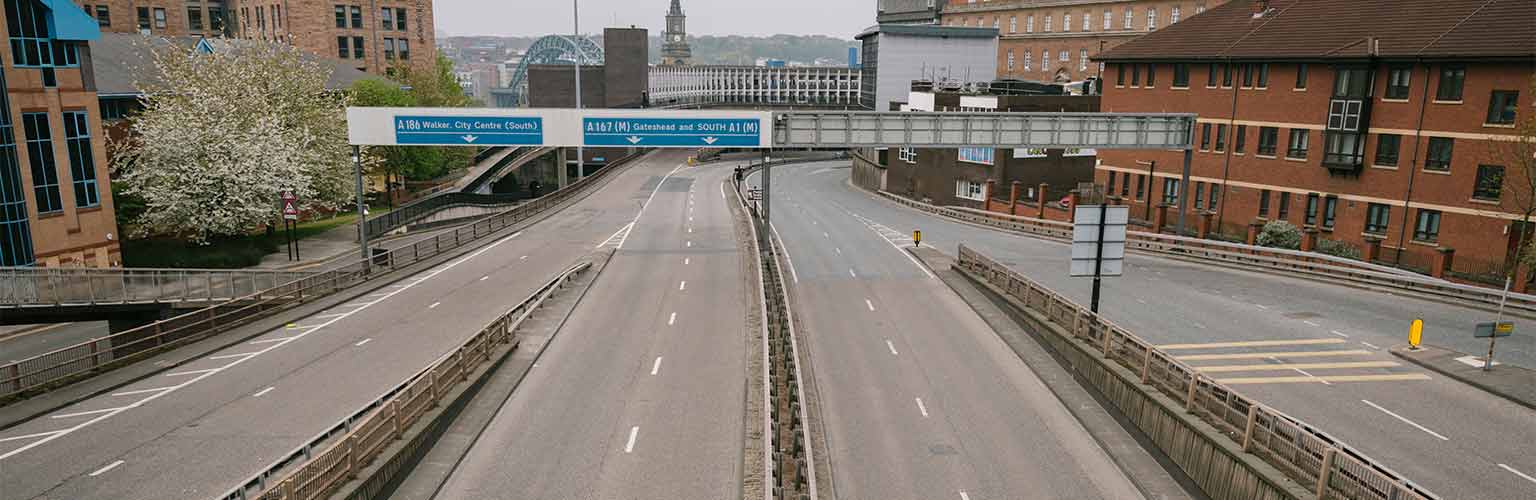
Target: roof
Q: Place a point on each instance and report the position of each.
(120, 59)
(928, 30)
(1340, 29)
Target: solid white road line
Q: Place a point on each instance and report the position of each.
(1261, 306)
(656, 366)
(143, 391)
(262, 392)
(1311, 323)
(672, 319)
(30, 436)
(722, 183)
(483, 278)
(964, 496)
(922, 408)
(1339, 333)
(1406, 421)
(104, 470)
(792, 274)
(364, 341)
(434, 305)
(193, 372)
(84, 413)
(232, 356)
(268, 341)
(869, 304)
(682, 285)
(630, 446)
(1518, 473)
(1370, 345)
(892, 347)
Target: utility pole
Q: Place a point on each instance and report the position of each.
(581, 156)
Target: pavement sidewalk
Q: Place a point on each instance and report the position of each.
(1510, 382)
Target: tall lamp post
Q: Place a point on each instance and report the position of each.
(362, 213)
(581, 157)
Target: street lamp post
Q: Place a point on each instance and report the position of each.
(581, 157)
(362, 212)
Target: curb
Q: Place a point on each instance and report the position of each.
(1464, 379)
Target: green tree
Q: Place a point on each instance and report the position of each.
(412, 88)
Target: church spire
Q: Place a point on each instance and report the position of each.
(674, 39)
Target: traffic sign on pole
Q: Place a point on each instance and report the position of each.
(290, 205)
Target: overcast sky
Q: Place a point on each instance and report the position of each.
(837, 18)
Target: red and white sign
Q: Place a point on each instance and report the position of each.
(290, 206)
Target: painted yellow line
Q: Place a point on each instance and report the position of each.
(1254, 343)
(1293, 366)
(1263, 355)
(1319, 379)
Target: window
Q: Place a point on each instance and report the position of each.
(1221, 137)
(277, 16)
(357, 47)
(1082, 59)
(1427, 228)
(1377, 216)
(995, 20)
(389, 52)
(1298, 144)
(357, 17)
(1264, 75)
(1205, 136)
(1268, 136)
(1045, 60)
(1029, 23)
(400, 19)
(31, 42)
(341, 16)
(1439, 157)
(387, 18)
(1285, 205)
(1141, 181)
(103, 16)
(1343, 148)
(1240, 140)
(1226, 75)
(1120, 75)
(82, 167)
(143, 18)
(1301, 76)
(261, 20)
(1125, 185)
(969, 190)
(1135, 75)
(1199, 195)
(1109, 17)
(159, 19)
(1151, 75)
(216, 18)
(341, 47)
(1398, 78)
(194, 18)
(1129, 17)
(1200, 8)
(1387, 146)
(1087, 22)
(1062, 56)
(1066, 22)
(1451, 80)
(1501, 107)
(1490, 183)
(1029, 59)
(1171, 191)
(1215, 194)
(1180, 75)
(1330, 210)
(1248, 74)
(1310, 216)
(1264, 203)
(45, 175)
(1048, 23)
(1151, 19)
(15, 226)
(1013, 24)
(403, 46)
(1210, 77)
(1109, 186)
(1174, 16)
(908, 155)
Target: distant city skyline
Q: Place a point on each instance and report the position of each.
(835, 18)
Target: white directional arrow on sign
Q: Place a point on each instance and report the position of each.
(710, 140)
(469, 138)
(633, 139)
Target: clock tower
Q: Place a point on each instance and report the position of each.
(674, 40)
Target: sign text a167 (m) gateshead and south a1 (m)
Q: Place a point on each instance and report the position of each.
(469, 130)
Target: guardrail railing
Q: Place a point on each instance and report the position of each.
(63, 286)
(1251, 257)
(77, 361)
(320, 466)
(1299, 450)
(443, 197)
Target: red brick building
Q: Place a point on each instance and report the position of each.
(372, 36)
(1387, 120)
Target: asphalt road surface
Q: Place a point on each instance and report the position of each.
(202, 428)
(640, 394)
(921, 398)
(1310, 349)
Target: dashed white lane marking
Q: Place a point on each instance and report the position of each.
(483, 278)
(262, 392)
(364, 341)
(1261, 306)
(525, 257)
(825, 235)
(1370, 345)
(104, 470)
(838, 250)
(647, 203)
(682, 285)
(1518, 473)
(1200, 326)
(84, 413)
(722, 187)
(656, 366)
(672, 319)
(1405, 420)
(630, 446)
(143, 391)
(922, 408)
(1311, 323)
(434, 305)
(1339, 333)
(687, 260)
(870, 305)
(1141, 301)
(690, 244)
(964, 496)
(690, 218)
(690, 230)
(892, 347)
(851, 273)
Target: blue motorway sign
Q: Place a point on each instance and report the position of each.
(672, 132)
(469, 130)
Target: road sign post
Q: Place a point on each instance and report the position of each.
(1098, 243)
(290, 210)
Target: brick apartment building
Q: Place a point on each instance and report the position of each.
(1055, 40)
(159, 17)
(1366, 120)
(55, 200)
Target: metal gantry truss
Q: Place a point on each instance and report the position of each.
(553, 49)
(851, 129)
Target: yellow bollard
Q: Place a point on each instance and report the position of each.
(917, 238)
(1415, 333)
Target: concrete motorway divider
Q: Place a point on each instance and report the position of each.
(1232, 446)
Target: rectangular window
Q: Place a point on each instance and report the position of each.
(1285, 205)
(1129, 18)
(1205, 136)
(1151, 75)
(45, 174)
(1330, 210)
(1048, 23)
(1010, 60)
(1029, 60)
(1301, 76)
(1180, 75)
(1377, 216)
(1387, 146)
(216, 18)
(387, 18)
(1109, 17)
(31, 42)
(1215, 194)
(1264, 75)
(1087, 22)
(357, 17)
(1135, 75)
(1439, 157)
(1298, 145)
(1221, 137)
(194, 18)
(341, 16)
(1151, 19)
(1125, 185)
(1226, 75)
(1427, 228)
(1268, 137)
(1171, 191)
(82, 165)
(908, 155)
(15, 225)
(389, 49)
(1502, 106)
(159, 19)
(1013, 24)
(341, 47)
(1029, 23)
(1066, 22)
(1174, 16)
(400, 19)
(1240, 140)
(261, 20)
(1109, 186)
(1264, 203)
(1248, 74)
(1120, 74)
(1490, 183)
(103, 16)
(143, 18)
(403, 46)
(969, 190)
(357, 47)
(1141, 186)
(1210, 76)
(1398, 78)
(1082, 59)
(1199, 195)
(1310, 216)
(1452, 78)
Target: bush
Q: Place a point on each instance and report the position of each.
(1280, 234)
(223, 253)
(1338, 249)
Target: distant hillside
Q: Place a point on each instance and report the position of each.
(745, 50)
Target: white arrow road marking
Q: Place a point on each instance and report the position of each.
(469, 138)
(633, 139)
(710, 140)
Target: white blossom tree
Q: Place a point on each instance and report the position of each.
(223, 133)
